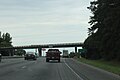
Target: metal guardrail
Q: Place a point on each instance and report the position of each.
(11, 57)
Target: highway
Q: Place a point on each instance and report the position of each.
(67, 69)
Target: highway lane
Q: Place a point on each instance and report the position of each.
(7, 62)
(67, 69)
(37, 70)
(88, 72)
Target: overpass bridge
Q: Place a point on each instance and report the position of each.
(59, 45)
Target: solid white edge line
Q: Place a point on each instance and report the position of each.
(73, 71)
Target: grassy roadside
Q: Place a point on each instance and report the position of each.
(110, 66)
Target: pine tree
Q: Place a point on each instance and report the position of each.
(106, 22)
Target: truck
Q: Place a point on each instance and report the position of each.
(65, 54)
(53, 54)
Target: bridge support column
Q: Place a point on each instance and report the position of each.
(75, 49)
(40, 51)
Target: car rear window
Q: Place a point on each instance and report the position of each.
(53, 50)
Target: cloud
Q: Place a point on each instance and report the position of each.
(37, 21)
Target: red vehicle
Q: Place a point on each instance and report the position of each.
(53, 54)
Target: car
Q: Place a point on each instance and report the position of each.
(30, 55)
(0, 57)
(53, 54)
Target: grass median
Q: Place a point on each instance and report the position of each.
(111, 66)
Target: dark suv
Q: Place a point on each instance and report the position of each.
(53, 54)
(30, 55)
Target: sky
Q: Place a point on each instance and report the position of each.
(33, 22)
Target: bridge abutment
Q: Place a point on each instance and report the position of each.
(40, 51)
(75, 49)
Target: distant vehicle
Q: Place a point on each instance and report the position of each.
(53, 54)
(30, 55)
(65, 54)
(0, 57)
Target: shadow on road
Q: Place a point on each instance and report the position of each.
(54, 61)
(31, 60)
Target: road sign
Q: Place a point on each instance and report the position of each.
(82, 50)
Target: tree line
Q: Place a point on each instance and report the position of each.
(103, 41)
(6, 41)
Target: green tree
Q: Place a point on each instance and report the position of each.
(20, 52)
(104, 33)
(5, 41)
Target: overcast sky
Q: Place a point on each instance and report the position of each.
(33, 22)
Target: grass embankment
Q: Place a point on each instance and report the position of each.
(111, 66)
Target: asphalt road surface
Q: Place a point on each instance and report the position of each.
(67, 69)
